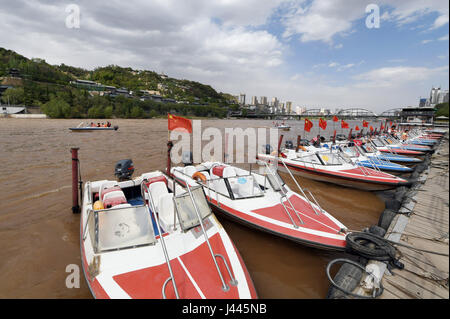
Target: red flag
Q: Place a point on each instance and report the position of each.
(371, 128)
(308, 125)
(381, 127)
(322, 124)
(390, 123)
(177, 123)
(335, 119)
(356, 128)
(365, 124)
(344, 124)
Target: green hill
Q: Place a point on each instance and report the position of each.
(37, 83)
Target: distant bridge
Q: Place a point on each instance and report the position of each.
(350, 113)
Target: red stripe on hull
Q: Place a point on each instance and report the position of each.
(309, 239)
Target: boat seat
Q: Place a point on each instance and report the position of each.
(189, 170)
(106, 187)
(114, 198)
(166, 212)
(157, 190)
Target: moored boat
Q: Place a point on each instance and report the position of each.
(150, 238)
(333, 168)
(263, 201)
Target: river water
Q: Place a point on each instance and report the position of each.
(39, 235)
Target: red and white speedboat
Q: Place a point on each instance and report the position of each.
(263, 201)
(383, 147)
(124, 256)
(334, 168)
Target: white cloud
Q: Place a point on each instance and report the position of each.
(444, 38)
(426, 41)
(323, 20)
(396, 76)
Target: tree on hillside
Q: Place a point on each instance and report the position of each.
(14, 96)
(57, 108)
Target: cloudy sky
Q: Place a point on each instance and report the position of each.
(315, 53)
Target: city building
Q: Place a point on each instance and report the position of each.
(289, 107)
(422, 102)
(254, 100)
(442, 97)
(263, 100)
(434, 94)
(242, 99)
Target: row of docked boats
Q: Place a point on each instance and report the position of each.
(156, 236)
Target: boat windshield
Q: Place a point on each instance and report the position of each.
(350, 151)
(311, 159)
(186, 211)
(368, 148)
(122, 228)
(332, 159)
(245, 186)
(378, 143)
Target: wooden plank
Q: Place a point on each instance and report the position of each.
(425, 232)
(390, 284)
(423, 270)
(419, 286)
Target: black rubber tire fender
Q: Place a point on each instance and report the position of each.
(386, 218)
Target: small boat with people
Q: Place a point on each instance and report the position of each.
(283, 126)
(150, 238)
(261, 199)
(94, 127)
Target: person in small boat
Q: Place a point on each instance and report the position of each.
(316, 141)
(108, 124)
(98, 124)
(92, 124)
(405, 135)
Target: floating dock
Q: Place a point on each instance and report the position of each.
(423, 224)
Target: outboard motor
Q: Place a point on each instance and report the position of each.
(186, 158)
(289, 145)
(123, 170)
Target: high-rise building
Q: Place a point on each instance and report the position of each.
(434, 95)
(442, 97)
(275, 102)
(254, 100)
(422, 102)
(263, 100)
(289, 107)
(242, 99)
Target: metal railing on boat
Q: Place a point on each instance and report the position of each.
(161, 239)
(233, 281)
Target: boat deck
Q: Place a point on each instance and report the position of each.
(425, 275)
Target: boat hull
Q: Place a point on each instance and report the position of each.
(227, 213)
(338, 180)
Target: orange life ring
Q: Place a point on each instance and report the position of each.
(198, 175)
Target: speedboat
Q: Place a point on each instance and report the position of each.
(86, 128)
(370, 151)
(262, 200)
(283, 127)
(399, 150)
(396, 145)
(356, 154)
(150, 238)
(334, 168)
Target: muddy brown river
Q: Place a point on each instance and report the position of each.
(39, 235)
